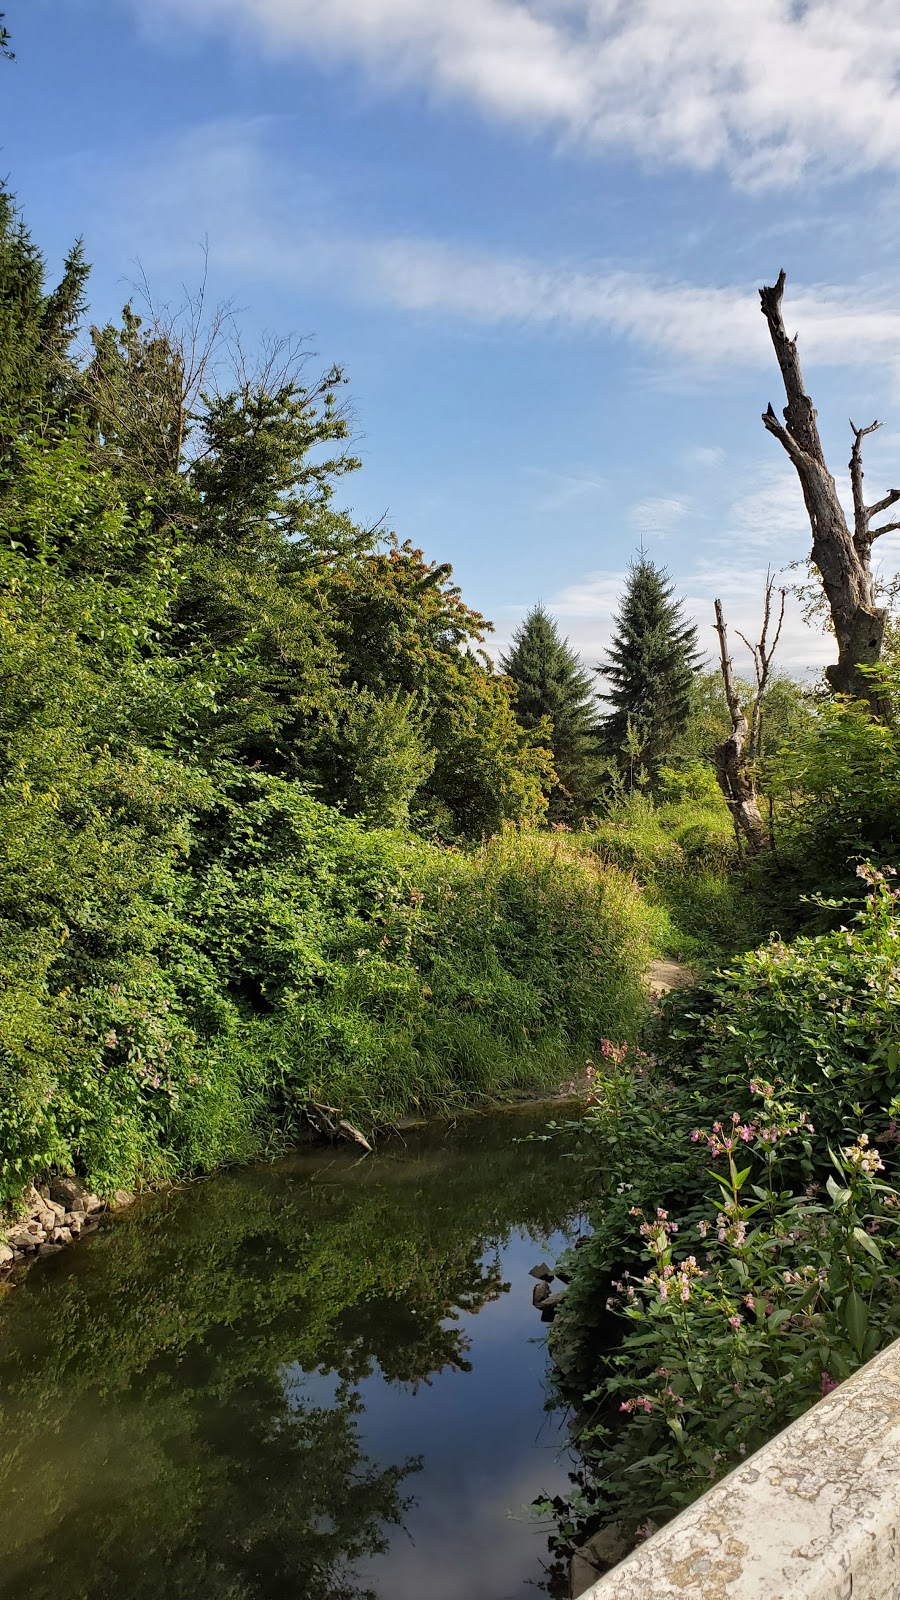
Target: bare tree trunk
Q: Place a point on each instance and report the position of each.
(843, 559)
(732, 758)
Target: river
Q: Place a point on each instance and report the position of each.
(321, 1379)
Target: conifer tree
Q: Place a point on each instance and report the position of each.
(649, 671)
(551, 683)
(36, 326)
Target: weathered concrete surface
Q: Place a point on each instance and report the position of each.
(814, 1515)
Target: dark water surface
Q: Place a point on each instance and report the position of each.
(319, 1380)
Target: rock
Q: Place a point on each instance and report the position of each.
(49, 1249)
(61, 1236)
(75, 1221)
(551, 1301)
(47, 1218)
(541, 1271)
(89, 1224)
(25, 1235)
(541, 1293)
(57, 1211)
(93, 1204)
(122, 1198)
(7, 1256)
(602, 1551)
(68, 1192)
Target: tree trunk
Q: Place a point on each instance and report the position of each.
(842, 557)
(732, 759)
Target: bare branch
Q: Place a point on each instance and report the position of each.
(736, 710)
(861, 513)
(733, 769)
(889, 527)
(799, 413)
(890, 499)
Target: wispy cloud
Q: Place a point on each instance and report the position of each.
(773, 94)
(657, 515)
(564, 488)
(268, 224)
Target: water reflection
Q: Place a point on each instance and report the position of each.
(320, 1381)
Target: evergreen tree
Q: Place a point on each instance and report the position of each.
(650, 671)
(36, 326)
(552, 684)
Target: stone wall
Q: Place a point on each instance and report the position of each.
(814, 1515)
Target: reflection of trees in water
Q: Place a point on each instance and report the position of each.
(152, 1442)
(205, 1502)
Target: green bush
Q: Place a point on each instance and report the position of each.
(266, 951)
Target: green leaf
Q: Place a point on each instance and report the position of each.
(856, 1320)
(867, 1242)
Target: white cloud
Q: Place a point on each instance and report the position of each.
(775, 93)
(704, 455)
(268, 224)
(655, 515)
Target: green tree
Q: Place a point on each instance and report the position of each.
(37, 326)
(649, 671)
(553, 686)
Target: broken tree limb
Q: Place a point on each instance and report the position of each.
(732, 760)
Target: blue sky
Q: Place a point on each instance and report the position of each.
(532, 231)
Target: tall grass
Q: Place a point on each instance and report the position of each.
(681, 849)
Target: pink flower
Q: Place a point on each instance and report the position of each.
(828, 1383)
(735, 1323)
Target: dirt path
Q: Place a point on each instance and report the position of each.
(664, 976)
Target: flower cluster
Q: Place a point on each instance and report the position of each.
(862, 1159)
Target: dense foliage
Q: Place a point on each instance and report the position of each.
(241, 741)
(744, 1258)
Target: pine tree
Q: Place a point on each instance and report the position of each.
(650, 669)
(552, 683)
(36, 327)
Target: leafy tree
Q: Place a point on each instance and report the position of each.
(552, 686)
(650, 670)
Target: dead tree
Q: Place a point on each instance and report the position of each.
(843, 558)
(736, 756)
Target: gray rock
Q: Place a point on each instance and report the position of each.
(602, 1551)
(68, 1192)
(122, 1198)
(7, 1255)
(93, 1204)
(61, 1236)
(551, 1301)
(25, 1235)
(541, 1293)
(75, 1221)
(49, 1249)
(541, 1271)
(57, 1211)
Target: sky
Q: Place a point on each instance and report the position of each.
(532, 232)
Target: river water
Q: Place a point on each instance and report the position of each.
(318, 1380)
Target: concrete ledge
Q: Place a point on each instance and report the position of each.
(814, 1515)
